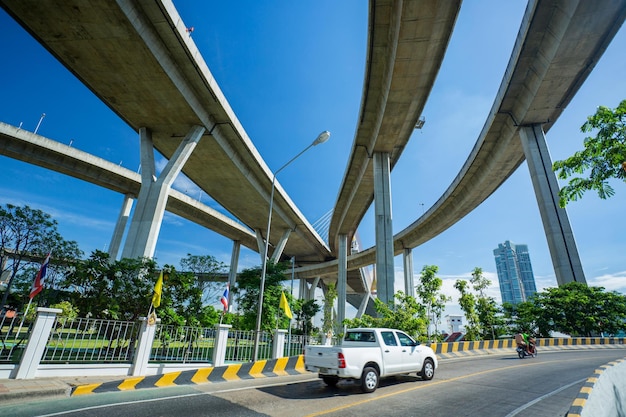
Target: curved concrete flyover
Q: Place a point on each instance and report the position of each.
(557, 47)
(138, 58)
(406, 45)
(37, 150)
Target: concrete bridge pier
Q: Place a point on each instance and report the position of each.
(384, 231)
(561, 242)
(232, 273)
(342, 281)
(120, 227)
(148, 215)
(409, 281)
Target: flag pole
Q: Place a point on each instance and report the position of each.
(37, 285)
(19, 329)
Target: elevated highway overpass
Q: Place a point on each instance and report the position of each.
(28, 147)
(557, 47)
(110, 47)
(138, 58)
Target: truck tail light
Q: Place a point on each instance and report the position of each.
(341, 360)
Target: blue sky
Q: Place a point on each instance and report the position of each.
(291, 70)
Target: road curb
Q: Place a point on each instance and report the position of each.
(293, 365)
(578, 405)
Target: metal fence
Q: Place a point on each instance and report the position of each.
(182, 344)
(110, 341)
(13, 338)
(294, 344)
(240, 346)
(91, 340)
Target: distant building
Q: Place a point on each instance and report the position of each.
(454, 323)
(515, 273)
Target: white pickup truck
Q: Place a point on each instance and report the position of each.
(367, 354)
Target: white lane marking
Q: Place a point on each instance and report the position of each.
(535, 401)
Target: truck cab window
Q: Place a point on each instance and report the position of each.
(405, 340)
(389, 338)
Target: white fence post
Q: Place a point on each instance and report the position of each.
(37, 342)
(278, 347)
(144, 347)
(221, 338)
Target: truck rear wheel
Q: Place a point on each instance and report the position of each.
(369, 379)
(331, 381)
(428, 370)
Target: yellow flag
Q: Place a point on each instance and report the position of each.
(285, 305)
(158, 288)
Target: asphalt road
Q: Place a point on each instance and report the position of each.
(481, 386)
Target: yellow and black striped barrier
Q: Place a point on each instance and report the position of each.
(585, 392)
(448, 350)
(293, 365)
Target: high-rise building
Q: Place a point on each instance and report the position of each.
(515, 273)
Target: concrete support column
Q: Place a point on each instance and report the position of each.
(219, 350)
(37, 342)
(144, 347)
(384, 231)
(280, 247)
(234, 264)
(146, 222)
(364, 303)
(409, 282)
(260, 242)
(342, 281)
(561, 242)
(303, 289)
(316, 282)
(278, 345)
(120, 226)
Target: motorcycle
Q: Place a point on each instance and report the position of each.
(524, 351)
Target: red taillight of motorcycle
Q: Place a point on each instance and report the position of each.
(341, 360)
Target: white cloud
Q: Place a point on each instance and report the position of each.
(611, 282)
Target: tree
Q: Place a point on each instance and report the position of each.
(122, 290)
(406, 314)
(304, 311)
(579, 310)
(329, 304)
(525, 317)
(206, 269)
(604, 155)
(428, 292)
(27, 235)
(248, 284)
(467, 301)
(486, 307)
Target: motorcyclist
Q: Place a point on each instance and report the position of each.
(529, 345)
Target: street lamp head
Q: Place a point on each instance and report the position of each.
(323, 137)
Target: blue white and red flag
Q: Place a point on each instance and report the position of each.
(40, 278)
(224, 298)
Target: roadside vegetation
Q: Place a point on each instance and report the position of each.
(103, 288)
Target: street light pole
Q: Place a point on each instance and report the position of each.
(323, 137)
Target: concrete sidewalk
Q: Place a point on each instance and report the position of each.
(21, 390)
